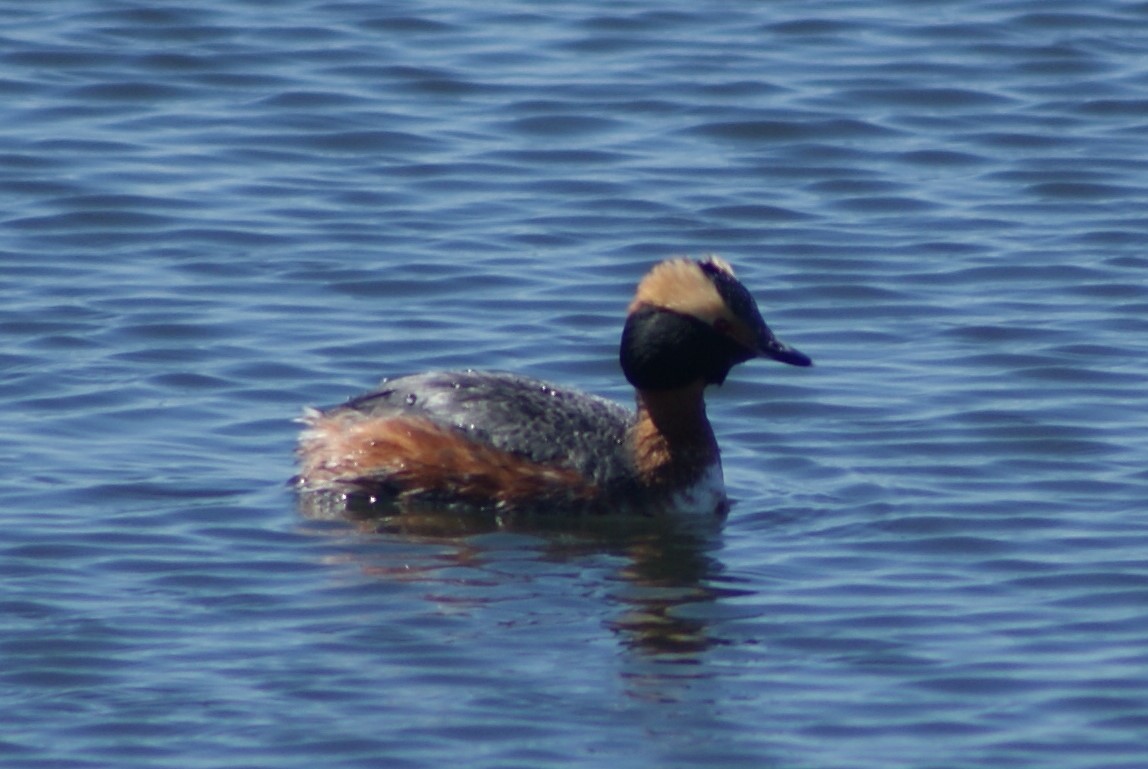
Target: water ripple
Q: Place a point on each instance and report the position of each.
(217, 216)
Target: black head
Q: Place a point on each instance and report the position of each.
(693, 321)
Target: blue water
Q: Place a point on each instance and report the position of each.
(216, 213)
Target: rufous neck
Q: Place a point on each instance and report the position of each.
(678, 414)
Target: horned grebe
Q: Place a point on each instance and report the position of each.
(510, 443)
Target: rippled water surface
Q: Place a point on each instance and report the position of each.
(216, 213)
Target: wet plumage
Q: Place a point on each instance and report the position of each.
(506, 442)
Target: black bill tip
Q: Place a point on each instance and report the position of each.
(779, 351)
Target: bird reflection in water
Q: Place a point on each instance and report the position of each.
(661, 574)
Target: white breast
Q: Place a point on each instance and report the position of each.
(705, 497)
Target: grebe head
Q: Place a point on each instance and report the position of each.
(693, 321)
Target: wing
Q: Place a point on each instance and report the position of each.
(524, 416)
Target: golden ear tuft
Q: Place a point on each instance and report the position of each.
(681, 285)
